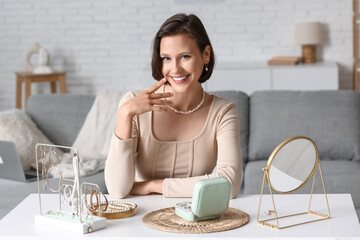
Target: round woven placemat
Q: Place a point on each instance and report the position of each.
(166, 220)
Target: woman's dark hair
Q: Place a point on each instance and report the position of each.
(190, 25)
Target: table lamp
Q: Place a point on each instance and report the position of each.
(308, 35)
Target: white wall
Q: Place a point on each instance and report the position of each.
(106, 44)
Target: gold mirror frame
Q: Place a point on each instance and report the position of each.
(271, 188)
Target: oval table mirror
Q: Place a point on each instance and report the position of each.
(290, 166)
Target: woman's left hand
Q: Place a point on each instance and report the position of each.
(147, 187)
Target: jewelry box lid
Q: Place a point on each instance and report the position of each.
(211, 196)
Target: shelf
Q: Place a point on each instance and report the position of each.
(258, 76)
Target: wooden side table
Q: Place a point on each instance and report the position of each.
(29, 78)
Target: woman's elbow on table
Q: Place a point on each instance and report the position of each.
(116, 187)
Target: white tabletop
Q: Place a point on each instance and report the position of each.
(19, 223)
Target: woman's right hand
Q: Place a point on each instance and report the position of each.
(147, 101)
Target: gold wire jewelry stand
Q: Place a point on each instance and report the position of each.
(70, 193)
(271, 188)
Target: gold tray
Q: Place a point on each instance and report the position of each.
(113, 214)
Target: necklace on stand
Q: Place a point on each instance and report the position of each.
(190, 111)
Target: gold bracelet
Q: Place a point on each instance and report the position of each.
(91, 207)
(94, 206)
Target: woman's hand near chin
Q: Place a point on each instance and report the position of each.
(144, 102)
(147, 187)
(148, 100)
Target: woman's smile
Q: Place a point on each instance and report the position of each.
(180, 78)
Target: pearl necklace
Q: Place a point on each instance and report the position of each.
(190, 111)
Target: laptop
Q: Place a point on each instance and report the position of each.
(10, 164)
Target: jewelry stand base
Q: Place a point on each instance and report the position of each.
(66, 222)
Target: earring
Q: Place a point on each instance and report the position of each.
(206, 67)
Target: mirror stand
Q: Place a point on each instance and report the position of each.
(320, 216)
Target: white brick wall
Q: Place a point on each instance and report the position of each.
(107, 44)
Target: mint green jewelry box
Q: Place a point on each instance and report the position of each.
(210, 198)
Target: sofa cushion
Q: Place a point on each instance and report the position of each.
(16, 126)
(330, 118)
(242, 105)
(59, 116)
(339, 177)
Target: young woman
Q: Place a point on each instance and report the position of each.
(173, 134)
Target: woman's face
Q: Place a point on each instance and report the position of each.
(182, 61)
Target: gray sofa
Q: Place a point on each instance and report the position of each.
(330, 118)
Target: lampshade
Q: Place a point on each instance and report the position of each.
(308, 33)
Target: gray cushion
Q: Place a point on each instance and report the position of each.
(60, 116)
(330, 118)
(242, 105)
(339, 176)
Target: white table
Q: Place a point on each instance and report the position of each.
(343, 222)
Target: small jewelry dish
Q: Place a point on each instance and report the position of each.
(116, 209)
(210, 199)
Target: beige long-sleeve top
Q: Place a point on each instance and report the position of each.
(180, 163)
